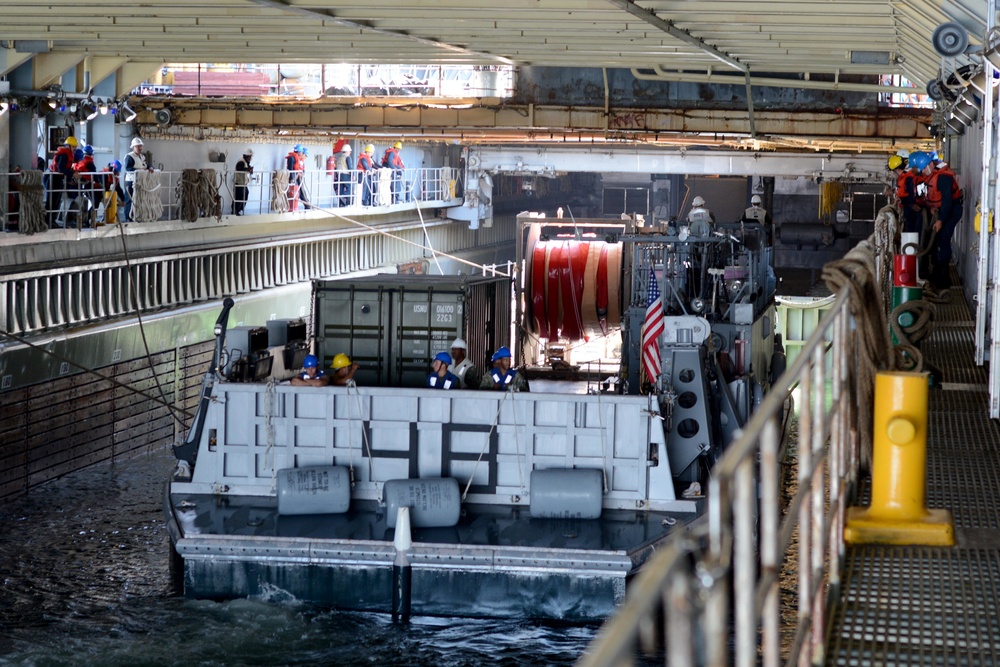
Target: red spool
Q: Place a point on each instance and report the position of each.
(904, 271)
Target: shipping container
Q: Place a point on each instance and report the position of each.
(393, 325)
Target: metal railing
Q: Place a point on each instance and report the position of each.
(715, 589)
(81, 202)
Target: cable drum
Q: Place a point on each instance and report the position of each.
(573, 288)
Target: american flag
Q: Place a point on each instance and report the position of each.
(652, 327)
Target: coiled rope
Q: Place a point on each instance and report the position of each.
(199, 194)
(146, 204)
(855, 272)
(908, 355)
(32, 210)
(279, 191)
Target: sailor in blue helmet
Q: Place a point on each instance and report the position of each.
(441, 377)
(502, 377)
(312, 375)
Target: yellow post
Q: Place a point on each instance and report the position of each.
(898, 514)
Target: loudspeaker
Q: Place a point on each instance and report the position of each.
(163, 116)
(950, 39)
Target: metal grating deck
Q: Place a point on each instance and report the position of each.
(902, 606)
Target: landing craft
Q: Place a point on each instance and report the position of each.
(645, 349)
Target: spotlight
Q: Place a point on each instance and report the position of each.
(4, 105)
(103, 108)
(129, 113)
(53, 103)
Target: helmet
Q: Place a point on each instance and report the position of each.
(903, 153)
(697, 201)
(398, 145)
(346, 149)
(459, 344)
(71, 141)
(756, 199)
(895, 162)
(443, 357)
(919, 160)
(370, 148)
(305, 151)
(248, 152)
(78, 154)
(340, 361)
(116, 166)
(310, 361)
(136, 142)
(502, 353)
(88, 150)
(934, 157)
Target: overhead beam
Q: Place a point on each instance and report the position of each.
(101, 67)
(48, 68)
(11, 60)
(132, 73)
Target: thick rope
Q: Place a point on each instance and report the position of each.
(279, 191)
(873, 345)
(32, 209)
(146, 204)
(199, 194)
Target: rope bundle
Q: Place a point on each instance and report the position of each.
(874, 346)
(279, 191)
(146, 204)
(199, 194)
(32, 210)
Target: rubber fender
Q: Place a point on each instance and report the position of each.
(314, 490)
(566, 493)
(433, 503)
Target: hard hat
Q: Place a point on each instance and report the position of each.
(398, 145)
(340, 361)
(310, 361)
(934, 156)
(502, 353)
(305, 151)
(71, 141)
(248, 152)
(756, 199)
(443, 357)
(895, 162)
(697, 201)
(297, 149)
(903, 153)
(88, 150)
(116, 165)
(346, 149)
(919, 160)
(459, 344)
(136, 142)
(78, 154)
(370, 148)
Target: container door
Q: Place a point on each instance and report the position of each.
(427, 324)
(356, 322)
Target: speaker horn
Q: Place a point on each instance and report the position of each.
(950, 39)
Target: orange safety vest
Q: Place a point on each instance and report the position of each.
(392, 159)
(298, 164)
(365, 162)
(901, 185)
(934, 195)
(85, 167)
(65, 151)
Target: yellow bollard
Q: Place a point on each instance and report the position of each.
(898, 514)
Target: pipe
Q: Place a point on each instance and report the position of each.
(401, 570)
(773, 82)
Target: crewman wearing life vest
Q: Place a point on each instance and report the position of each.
(391, 160)
(295, 164)
(60, 177)
(241, 182)
(945, 204)
(366, 173)
(441, 377)
(344, 175)
(757, 213)
(702, 220)
(85, 170)
(906, 196)
(134, 162)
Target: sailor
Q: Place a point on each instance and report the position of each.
(344, 370)
(462, 367)
(757, 213)
(241, 182)
(311, 375)
(134, 162)
(702, 220)
(945, 204)
(441, 377)
(502, 377)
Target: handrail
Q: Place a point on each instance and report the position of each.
(748, 542)
(82, 203)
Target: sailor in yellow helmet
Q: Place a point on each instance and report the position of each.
(343, 370)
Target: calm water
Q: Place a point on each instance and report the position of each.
(84, 579)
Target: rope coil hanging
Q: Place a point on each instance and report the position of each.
(146, 204)
(199, 194)
(32, 209)
(279, 191)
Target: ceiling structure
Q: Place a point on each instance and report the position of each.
(817, 43)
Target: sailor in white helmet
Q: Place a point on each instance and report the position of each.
(757, 213)
(466, 371)
(702, 220)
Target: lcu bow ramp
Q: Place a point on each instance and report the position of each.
(521, 546)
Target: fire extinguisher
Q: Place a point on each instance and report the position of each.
(331, 164)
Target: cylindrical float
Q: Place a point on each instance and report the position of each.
(563, 493)
(433, 503)
(313, 490)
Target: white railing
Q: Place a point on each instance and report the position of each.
(715, 590)
(80, 202)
